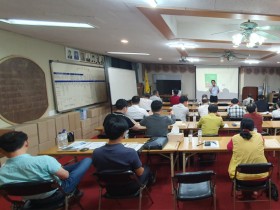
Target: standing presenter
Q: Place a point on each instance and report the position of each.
(214, 91)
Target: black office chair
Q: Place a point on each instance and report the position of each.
(58, 200)
(120, 185)
(251, 185)
(193, 186)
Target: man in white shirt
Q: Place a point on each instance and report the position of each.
(134, 111)
(146, 102)
(248, 100)
(203, 109)
(276, 113)
(214, 91)
(181, 110)
(155, 96)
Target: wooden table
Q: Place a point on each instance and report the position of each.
(170, 148)
(224, 115)
(186, 148)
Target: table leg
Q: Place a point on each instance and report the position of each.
(278, 163)
(184, 162)
(172, 170)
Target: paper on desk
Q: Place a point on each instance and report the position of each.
(214, 144)
(135, 146)
(271, 143)
(265, 113)
(175, 129)
(95, 145)
(226, 125)
(76, 145)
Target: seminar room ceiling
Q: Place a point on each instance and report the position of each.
(148, 30)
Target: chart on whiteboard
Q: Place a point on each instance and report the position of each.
(77, 86)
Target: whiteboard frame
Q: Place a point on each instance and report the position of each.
(75, 64)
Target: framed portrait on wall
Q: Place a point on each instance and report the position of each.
(76, 55)
(82, 56)
(94, 58)
(87, 57)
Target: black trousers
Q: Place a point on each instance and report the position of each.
(213, 99)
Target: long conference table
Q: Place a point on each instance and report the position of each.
(173, 148)
(229, 125)
(272, 143)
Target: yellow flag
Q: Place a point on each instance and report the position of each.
(147, 85)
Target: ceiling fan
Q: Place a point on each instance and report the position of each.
(252, 34)
(229, 55)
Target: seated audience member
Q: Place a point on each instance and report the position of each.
(146, 102)
(276, 113)
(121, 109)
(247, 147)
(155, 96)
(262, 105)
(203, 109)
(204, 96)
(181, 110)
(211, 123)
(248, 100)
(234, 110)
(22, 167)
(156, 124)
(175, 98)
(114, 156)
(257, 118)
(134, 111)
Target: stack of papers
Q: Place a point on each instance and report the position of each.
(78, 145)
(213, 144)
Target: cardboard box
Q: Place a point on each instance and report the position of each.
(175, 137)
(46, 129)
(30, 129)
(33, 150)
(78, 133)
(46, 145)
(3, 131)
(61, 122)
(74, 121)
(33, 141)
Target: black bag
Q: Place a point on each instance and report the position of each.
(155, 143)
(274, 192)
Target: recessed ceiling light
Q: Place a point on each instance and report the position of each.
(159, 59)
(127, 53)
(124, 41)
(251, 61)
(278, 61)
(46, 23)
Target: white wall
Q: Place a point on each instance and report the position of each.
(40, 52)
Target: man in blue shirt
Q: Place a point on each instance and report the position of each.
(22, 167)
(114, 156)
(214, 91)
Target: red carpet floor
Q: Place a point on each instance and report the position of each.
(161, 191)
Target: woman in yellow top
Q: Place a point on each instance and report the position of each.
(247, 147)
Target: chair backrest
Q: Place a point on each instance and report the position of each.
(121, 183)
(257, 168)
(235, 119)
(276, 119)
(194, 177)
(28, 188)
(210, 135)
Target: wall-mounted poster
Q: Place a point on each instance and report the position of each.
(82, 56)
(76, 55)
(101, 60)
(87, 57)
(94, 58)
(69, 53)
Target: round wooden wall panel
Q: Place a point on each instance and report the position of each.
(23, 92)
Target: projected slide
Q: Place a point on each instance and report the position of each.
(226, 79)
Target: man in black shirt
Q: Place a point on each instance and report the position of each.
(262, 105)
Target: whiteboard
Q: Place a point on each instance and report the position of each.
(122, 83)
(77, 86)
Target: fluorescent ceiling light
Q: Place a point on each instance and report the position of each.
(278, 61)
(124, 41)
(193, 60)
(182, 45)
(46, 23)
(153, 3)
(127, 53)
(251, 61)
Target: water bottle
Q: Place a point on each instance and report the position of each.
(60, 140)
(194, 117)
(199, 135)
(65, 138)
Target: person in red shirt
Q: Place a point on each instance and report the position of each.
(175, 98)
(257, 118)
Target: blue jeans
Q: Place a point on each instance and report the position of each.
(76, 172)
